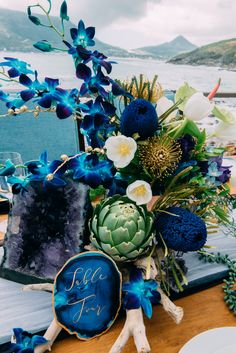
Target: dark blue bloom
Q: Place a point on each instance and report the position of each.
(17, 67)
(89, 169)
(67, 102)
(33, 86)
(139, 293)
(12, 101)
(139, 117)
(41, 169)
(92, 84)
(181, 229)
(83, 36)
(187, 144)
(98, 59)
(18, 184)
(25, 342)
(96, 124)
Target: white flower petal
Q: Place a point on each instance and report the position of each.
(121, 150)
(140, 192)
(197, 107)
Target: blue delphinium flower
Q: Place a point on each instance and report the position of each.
(17, 67)
(89, 169)
(39, 171)
(139, 117)
(181, 229)
(96, 124)
(25, 342)
(213, 173)
(139, 293)
(83, 36)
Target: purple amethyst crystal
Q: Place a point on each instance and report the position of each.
(46, 227)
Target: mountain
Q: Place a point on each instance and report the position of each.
(18, 33)
(169, 49)
(221, 54)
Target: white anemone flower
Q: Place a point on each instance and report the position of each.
(164, 104)
(197, 107)
(140, 192)
(121, 150)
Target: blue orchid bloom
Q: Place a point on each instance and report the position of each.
(25, 342)
(67, 102)
(7, 169)
(18, 184)
(98, 59)
(92, 84)
(45, 91)
(83, 36)
(89, 169)
(96, 124)
(17, 67)
(41, 170)
(12, 101)
(140, 293)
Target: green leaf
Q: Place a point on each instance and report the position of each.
(35, 20)
(221, 213)
(183, 94)
(43, 45)
(224, 114)
(188, 127)
(63, 11)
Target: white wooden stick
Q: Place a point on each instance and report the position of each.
(51, 334)
(134, 326)
(48, 287)
(176, 312)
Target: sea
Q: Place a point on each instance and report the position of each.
(30, 136)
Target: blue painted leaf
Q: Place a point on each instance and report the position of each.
(43, 45)
(35, 20)
(63, 11)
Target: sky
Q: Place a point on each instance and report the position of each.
(137, 23)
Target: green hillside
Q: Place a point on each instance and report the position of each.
(18, 33)
(221, 54)
(169, 49)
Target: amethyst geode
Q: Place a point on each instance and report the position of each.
(46, 227)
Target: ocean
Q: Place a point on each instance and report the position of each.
(30, 136)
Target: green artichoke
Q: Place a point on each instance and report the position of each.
(121, 229)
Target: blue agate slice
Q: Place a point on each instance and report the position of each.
(87, 294)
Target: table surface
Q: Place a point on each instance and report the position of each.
(203, 311)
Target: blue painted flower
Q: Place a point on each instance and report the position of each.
(92, 84)
(18, 184)
(139, 293)
(25, 342)
(181, 229)
(139, 117)
(12, 101)
(67, 102)
(96, 124)
(98, 59)
(83, 36)
(17, 67)
(91, 170)
(41, 170)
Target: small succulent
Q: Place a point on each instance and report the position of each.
(121, 229)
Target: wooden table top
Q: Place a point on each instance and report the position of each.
(203, 311)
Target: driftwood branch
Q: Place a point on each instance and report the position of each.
(47, 287)
(134, 326)
(51, 334)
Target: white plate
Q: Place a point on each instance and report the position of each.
(219, 340)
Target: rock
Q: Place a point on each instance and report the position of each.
(46, 227)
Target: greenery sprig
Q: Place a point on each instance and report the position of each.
(229, 283)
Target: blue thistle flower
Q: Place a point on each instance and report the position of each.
(181, 229)
(139, 117)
